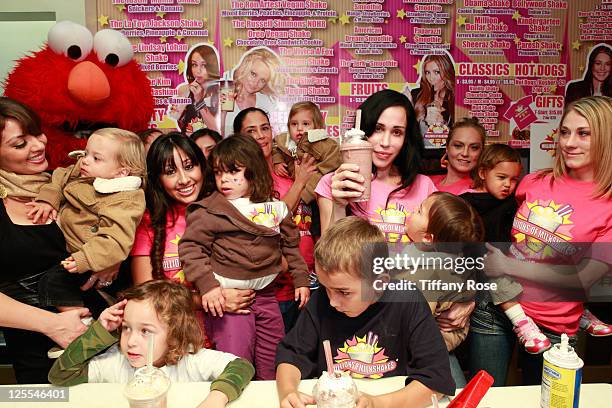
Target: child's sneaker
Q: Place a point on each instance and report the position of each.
(592, 325)
(531, 337)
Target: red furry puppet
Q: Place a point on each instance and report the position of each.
(79, 83)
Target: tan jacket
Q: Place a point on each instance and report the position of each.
(453, 338)
(326, 153)
(440, 300)
(219, 238)
(99, 227)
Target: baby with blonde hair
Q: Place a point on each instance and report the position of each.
(99, 202)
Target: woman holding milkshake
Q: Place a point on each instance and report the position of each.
(396, 190)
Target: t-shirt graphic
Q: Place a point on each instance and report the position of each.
(171, 263)
(392, 222)
(542, 229)
(269, 214)
(363, 357)
(521, 112)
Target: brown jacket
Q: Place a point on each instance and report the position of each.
(99, 227)
(219, 238)
(326, 153)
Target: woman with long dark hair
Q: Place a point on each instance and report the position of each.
(177, 176)
(397, 190)
(597, 79)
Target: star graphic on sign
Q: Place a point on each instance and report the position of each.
(176, 239)
(160, 14)
(516, 15)
(162, 39)
(181, 67)
(344, 19)
(581, 68)
(417, 66)
(576, 45)
(228, 42)
(103, 20)
(517, 40)
(461, 20)
(205, 20)
(552, 89)
(401, 13)
(120, 7)
(211, 42)
(179, 38)
(402, 38)
(332, 20)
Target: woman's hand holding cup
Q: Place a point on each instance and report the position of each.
(347, 183)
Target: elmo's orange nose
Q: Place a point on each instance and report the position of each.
(88, 84)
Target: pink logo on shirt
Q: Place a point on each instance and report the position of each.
(363, 357)
(542, 229)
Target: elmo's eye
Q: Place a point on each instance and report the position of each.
(71, 40)
(113, 48)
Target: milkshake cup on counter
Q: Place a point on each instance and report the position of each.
(148, 388)
(356, 149)
(227, 93)
(334, 389)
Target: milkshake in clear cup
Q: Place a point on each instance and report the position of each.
(227, 95)
(148, 388)
(335, 391)
(355, 148)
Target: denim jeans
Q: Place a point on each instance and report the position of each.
(492, 341)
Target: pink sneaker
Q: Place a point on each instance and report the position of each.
(592, 325)
(531, 337)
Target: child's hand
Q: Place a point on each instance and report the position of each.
(214, 399)
(280, 169)
(302, 295)
(305, 168)
(70, 264)
(213, 302)
(40, 212)
(365, 401)
(297, 400)
(112, 317)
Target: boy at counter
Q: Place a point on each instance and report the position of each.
(373, 333)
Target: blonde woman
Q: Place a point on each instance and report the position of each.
(560, 209)
(257, 84)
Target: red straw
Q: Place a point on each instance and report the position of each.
(328, 358)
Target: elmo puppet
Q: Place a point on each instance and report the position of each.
(79, 83)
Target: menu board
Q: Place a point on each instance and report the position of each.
(512, 63)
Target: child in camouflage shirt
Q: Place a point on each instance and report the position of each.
(164, 309)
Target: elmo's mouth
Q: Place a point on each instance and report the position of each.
(82, 129)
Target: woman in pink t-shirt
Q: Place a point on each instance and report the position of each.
(397, 190)
(560, 209)
(254, 122)
(464, 144)
(176, 176)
